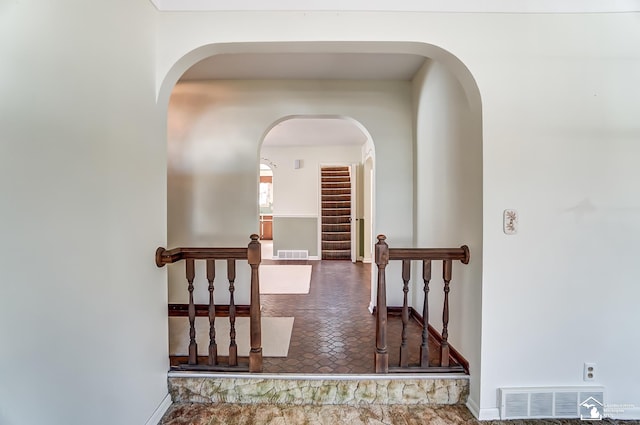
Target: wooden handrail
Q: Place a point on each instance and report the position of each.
(384, 254)
(169, 256)
(434, 254)
(252, 253)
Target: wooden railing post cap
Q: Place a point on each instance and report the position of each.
(467, 255)
(382, 238)
(159, 252)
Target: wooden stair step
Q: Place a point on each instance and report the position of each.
(336, 227)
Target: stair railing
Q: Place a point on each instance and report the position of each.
(383, 254)
(252, 253)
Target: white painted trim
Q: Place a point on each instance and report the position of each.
(160, 411)
(491, 414)
(452, 6)
(318, 377)
(371, 307)
(473, 407)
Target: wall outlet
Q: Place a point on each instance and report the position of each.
(589, 373)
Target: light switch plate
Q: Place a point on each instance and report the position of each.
(510, 222)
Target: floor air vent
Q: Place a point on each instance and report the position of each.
(293, 254)
(550, 402)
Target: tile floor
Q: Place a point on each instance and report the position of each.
(334, 332)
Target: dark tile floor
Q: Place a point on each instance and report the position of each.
(333, 331)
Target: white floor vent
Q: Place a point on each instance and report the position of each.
(551, 402)
(293, 254)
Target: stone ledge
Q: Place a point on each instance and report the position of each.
(354, 392)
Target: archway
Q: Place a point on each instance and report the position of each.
(401, 189)
(304, 145)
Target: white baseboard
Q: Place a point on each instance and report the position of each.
(473, 407)
(492, 414)
(482, 414)
(160, 411)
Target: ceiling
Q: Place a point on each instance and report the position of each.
(315, 131)
(306, 66)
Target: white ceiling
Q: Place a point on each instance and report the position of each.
(306, 66)
(315, 131)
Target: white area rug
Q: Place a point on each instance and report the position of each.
(285, 279)
(276, 335)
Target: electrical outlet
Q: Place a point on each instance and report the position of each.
(589, 373)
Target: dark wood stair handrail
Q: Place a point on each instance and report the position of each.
(252, 253)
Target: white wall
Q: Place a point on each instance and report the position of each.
(559, 101)
(82, 164)
(561, 146)
(296, 192)
(449, 205)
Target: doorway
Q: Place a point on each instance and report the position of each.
(265, 203)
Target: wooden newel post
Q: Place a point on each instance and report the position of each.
(254, 258)
(381, 354)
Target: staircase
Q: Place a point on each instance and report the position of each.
(336, 213)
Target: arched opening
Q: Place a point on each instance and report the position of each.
(405, 191)
(323, 217)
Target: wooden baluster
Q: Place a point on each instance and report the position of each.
(254, 258)
(381, 356)
(406, 275)
(213, 347)
(193, 347)
(233, 348)
(424, 348)
(447, 266)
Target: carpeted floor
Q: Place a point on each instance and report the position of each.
(204, 414)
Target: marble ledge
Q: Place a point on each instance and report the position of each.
(354, 392)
